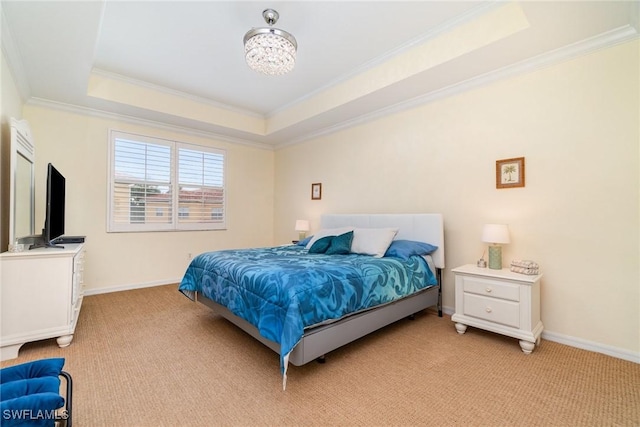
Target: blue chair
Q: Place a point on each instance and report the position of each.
(30, 394)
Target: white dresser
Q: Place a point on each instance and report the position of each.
(499, 301)
(41, 295)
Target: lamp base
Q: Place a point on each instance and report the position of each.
(495, 257)
(301, 235)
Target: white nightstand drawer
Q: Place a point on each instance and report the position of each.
(499, 301)
(493, 310)
(491, 288)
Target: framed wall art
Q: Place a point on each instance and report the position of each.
(510, 173)
(316, 191)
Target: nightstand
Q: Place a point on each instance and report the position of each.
(499, 301)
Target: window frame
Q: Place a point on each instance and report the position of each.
(175, 224)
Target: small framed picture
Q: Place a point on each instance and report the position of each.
(510, 173)
(316, 191)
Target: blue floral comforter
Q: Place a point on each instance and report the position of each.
(283, 290)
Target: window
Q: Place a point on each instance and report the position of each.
(217, 213)
(150, 179)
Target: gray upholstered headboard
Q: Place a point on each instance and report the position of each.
(427, 228)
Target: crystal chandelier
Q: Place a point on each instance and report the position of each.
(269, 50)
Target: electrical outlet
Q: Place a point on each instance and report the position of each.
(189, 256)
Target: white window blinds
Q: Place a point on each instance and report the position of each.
(158, 185)
(201, 181)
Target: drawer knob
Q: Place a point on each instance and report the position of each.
(488, 309)
(488, 290)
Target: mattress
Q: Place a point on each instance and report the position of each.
(284, 290)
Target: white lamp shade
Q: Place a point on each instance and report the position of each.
(495, 233)
(302, 225)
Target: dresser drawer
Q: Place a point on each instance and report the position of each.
(492, 309)
(491, 288)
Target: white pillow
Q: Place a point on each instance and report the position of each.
(327, 232)
(372, 241)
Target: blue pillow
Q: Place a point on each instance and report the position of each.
(30, 388)
(304, 241)
(19, 388)
(340, 245)
(406, 248)
(321, 245)
(34, 369)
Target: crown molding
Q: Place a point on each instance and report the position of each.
(605, 40)
(55, 105)
(602, 41)
(443, 28)
(173, 92)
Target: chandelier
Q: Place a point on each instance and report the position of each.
(269, 50)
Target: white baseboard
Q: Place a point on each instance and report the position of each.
(583, 344)
(130, 287)
(620, 353)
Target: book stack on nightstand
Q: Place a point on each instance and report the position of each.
(499, 301)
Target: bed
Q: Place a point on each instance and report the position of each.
(322, 310)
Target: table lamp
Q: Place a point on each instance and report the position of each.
(495, 234)
(302, 226)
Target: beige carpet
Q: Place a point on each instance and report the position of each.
(151, 357)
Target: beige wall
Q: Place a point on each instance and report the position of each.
(11, 106)
(77, 145)
(577, 125)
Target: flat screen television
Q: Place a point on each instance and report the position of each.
(54, 214)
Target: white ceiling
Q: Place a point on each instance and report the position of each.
(192, 52)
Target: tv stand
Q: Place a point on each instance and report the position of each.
(42, 243)
(40, 297)
(45, 245)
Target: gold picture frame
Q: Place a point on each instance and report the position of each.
(510, 173)
(316, 191)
